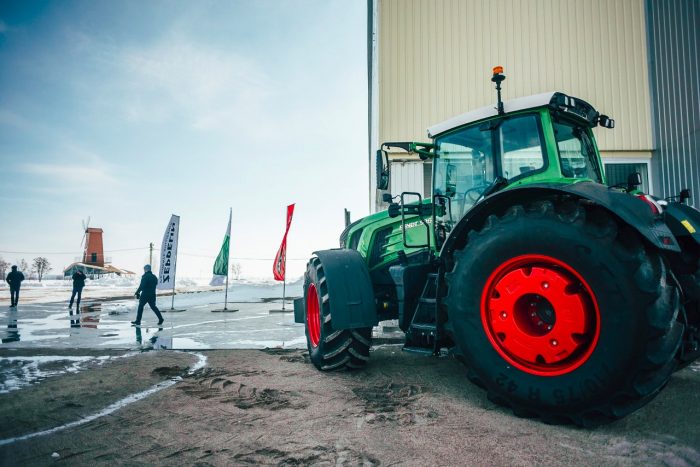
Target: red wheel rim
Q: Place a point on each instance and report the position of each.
(313, 315)
(540, 315)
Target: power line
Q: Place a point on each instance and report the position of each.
(64, 252)
(138, 249)
(242, 259)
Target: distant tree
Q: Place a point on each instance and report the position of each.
(236, 270)
(22, 266)
(4, 266)
(41, 266)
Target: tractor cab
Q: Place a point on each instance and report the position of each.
(545, 138)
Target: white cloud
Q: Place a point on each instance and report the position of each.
(201, 86)
(69, 177)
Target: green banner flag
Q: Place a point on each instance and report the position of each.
(221, 263)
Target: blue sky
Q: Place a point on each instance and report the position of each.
(128, 111)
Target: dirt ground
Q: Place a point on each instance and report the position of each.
(272, 407)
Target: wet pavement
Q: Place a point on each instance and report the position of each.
(107, 325)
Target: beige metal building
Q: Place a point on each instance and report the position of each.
(430, 60)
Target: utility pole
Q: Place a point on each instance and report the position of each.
(150, 254)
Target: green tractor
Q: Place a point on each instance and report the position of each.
(566, 299)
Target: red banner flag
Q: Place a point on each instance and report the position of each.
(280, 266)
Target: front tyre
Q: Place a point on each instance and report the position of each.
(330, 349)
(563, 314)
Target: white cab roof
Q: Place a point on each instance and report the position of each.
(513, 105)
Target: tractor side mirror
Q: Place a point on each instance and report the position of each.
(382, 163)
(633, 181)
(394, 210)
(450, 180)
(684, 196)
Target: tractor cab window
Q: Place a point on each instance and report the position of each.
(521, 146)
(577, 155)
(463, 169)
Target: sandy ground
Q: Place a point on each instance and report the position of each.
(272, 407)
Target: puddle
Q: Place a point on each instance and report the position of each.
(108, 326)
(19, 372)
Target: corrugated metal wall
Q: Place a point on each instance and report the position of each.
(406, 176)
(674, 47)
(434, 60)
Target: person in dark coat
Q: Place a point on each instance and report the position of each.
(78, 284)
(14, 278)
(146, 293)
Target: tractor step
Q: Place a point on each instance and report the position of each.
(422, 333)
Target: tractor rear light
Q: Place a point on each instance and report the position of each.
(655, 207)
(497, 70)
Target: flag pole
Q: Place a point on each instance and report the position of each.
(226, 293)
(284, 285)
(172, 302)
(228, 256)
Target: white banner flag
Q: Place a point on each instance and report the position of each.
(168, 254)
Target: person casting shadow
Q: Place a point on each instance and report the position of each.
(14, 279)
(146, 293)
(78, 284)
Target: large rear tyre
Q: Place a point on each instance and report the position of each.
(330, 349)
(561, 313)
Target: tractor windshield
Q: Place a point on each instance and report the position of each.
(577, 155)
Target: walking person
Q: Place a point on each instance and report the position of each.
(14, 278)
(78, 284)
(146, 293)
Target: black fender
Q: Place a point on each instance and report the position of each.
(349, 290)
(624, 206)
(684, 221)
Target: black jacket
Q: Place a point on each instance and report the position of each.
(14, 278)
(148, 285)
(78, 279)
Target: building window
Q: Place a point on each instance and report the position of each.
(617, 173)
(93, 257)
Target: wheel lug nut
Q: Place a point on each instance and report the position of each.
(504, 315)
(549, 327)
(554, 342)
(533, 314)
(545, 285)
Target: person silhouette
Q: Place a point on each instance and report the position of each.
(78, 284)
(146, 293)
(14, 279)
